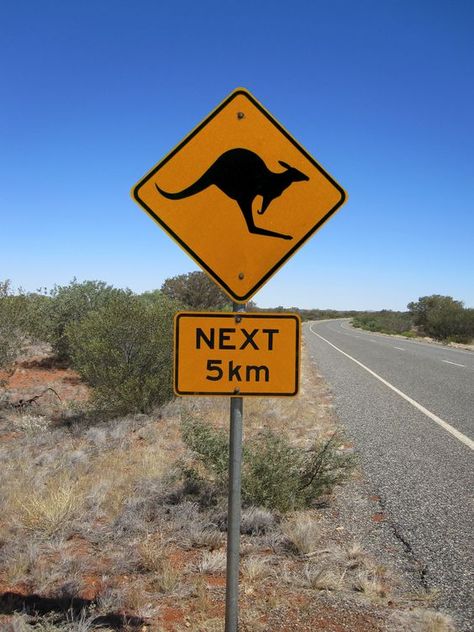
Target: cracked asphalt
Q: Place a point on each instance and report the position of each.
(420, 473)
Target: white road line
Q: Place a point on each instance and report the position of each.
(455, 363)
(425, 411)
(399, 348)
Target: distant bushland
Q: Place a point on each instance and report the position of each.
(310, 314)
(119, 342)
(385, 321)
(440, 317)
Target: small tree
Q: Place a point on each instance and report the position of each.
(423, 309)
(196, 291)
(442, 317)
(124, 351)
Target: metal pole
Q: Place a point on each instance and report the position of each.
(233, 511)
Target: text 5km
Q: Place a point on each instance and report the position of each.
(235, 372)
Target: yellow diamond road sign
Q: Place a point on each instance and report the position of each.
(240, 195)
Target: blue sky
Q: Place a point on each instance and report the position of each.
(380, 93)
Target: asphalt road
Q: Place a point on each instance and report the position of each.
(409, 409)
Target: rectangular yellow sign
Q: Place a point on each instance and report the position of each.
(236, 354)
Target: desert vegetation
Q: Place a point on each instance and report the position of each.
(439, 317)
(113, 496)
(119, 343)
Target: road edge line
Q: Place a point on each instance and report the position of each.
(459, 435)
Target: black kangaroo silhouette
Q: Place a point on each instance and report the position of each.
(242, 175)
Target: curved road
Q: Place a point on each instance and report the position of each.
(409, 408)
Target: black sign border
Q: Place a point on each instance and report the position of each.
(233, 316)
(244, 298)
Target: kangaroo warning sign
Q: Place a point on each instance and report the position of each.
(240, 195)
(236, 354)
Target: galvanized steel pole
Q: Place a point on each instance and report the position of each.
(234, 510)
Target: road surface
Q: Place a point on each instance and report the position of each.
(409, 408)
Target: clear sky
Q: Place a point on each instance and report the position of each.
(381, 93)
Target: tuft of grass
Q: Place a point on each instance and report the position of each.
(212, 562)
(205, 537)
(152, 553)
(18, 560)
(255, 568)
(208, 625)
(167, 578)
(31, 424)
(154, 559)
(139, 601)
(49, 510)
(320, 577)
(302, 532)
(371, 583)
(83, 622)
(355, 556)
(257, 521)
(420, 620)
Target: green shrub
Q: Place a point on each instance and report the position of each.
(71, 303)
(124, 351)
(37, 319)
(211, 444)
(12, 337)
(275, 474)
(279, 476)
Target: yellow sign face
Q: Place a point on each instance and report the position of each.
(240, 195)
(236, 354)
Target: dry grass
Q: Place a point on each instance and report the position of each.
(50, 623)
(355, 555)
(212, 562)
(20, 564)
(420, 620)
(205, 537)
(370, 583)
(139, 600)
(49, 510)
(152, 552)
(257, 521)
(321, 577)
(88, 511)
(30, 423)
(256, 568)
(302, 532)
(154, 559)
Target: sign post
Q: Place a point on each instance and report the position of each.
(234, 509)
(240, 195)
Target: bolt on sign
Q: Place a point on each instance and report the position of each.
(240, 195)
(236, 354)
